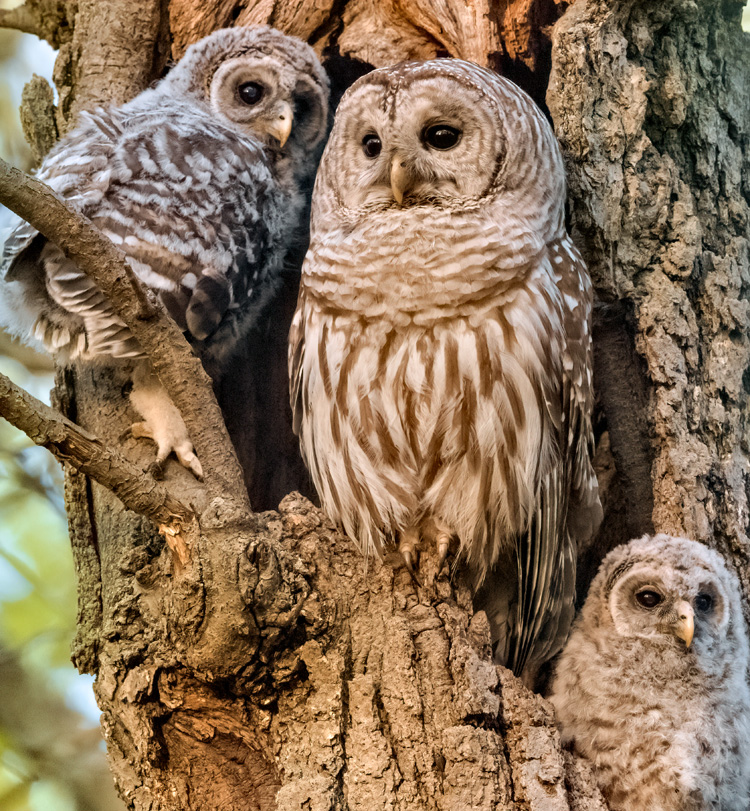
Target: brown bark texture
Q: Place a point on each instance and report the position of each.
(275, 668)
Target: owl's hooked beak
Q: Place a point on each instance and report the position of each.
(401, 179)
(281, 126)
(684, 626)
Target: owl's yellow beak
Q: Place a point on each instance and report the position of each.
(281, 126)
(401, 179)
(684, 627)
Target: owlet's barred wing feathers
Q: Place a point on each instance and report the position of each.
(440, 356)
(153, 183)
(202, 182)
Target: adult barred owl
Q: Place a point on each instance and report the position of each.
(652, 684)
(440, 355)
(201, 181)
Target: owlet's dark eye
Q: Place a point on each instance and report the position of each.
(441, 136)
(704, 602)
(371, 145)
(250, 92)
(648, 598)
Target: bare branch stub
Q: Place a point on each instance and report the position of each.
(70, 444)
(46, 19)
(179, 370)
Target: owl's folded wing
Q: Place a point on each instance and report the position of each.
(568, 511)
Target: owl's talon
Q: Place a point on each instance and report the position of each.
(410, 561)
(192, 463)
(156, 469)
(443, 546)
(408, 547)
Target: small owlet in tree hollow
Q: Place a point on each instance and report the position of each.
(202, 181)
(652, 684)
(440, 355)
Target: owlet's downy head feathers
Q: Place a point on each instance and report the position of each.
(652, 684)
(264, 84)
(440, 356)
(200, 180)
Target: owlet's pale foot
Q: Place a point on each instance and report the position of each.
(202, 182)
(440, 355)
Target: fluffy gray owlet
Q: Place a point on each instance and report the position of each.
(652, 685)
(440, 355)
(201, 181)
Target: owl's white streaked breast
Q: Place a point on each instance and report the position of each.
(439, 381)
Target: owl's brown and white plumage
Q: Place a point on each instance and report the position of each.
(652, 684)
(202, 181)
(440, 356)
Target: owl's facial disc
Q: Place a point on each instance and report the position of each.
(429, 143)
(251, 95)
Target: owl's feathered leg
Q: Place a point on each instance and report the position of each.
(163, 423)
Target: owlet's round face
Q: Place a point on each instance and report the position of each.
(673, 594)
(261, 82)
(441, 133)
(263, 96)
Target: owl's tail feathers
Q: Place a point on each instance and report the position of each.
(530, 605)
(209, 303)
(539, 621)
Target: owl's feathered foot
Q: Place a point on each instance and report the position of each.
(409, 545)
(163, 424)
(168, 441)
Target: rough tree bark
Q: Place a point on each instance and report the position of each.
(274, 669)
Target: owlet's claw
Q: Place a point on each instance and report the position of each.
(163, 424)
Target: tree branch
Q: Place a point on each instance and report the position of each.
(46, 19)
(21, 18)
(179, 370)
(69, 443)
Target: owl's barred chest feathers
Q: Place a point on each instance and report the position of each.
(416, 266)
(437, 410)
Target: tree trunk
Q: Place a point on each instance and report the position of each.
(276, 669)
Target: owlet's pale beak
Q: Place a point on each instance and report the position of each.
(280, 126)
(401, 179)
(684, 625)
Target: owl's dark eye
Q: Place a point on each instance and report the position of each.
(704, 602)
(371, 145)
(648, 598)
(250, 92)
(441, 136)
